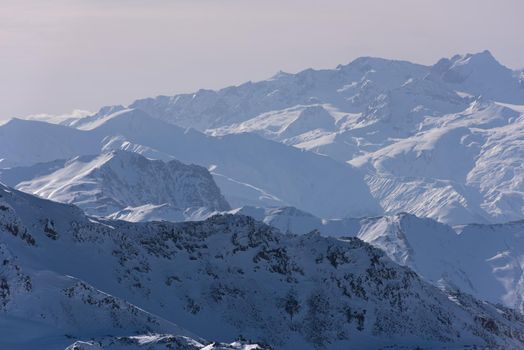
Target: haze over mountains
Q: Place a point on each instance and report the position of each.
(414, 172)
(436, 141)
(247, 168)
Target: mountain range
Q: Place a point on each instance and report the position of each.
(379, 204)
(68, 278)
(247, 168)
(437, 141)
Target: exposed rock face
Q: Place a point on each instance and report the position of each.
(226, 277)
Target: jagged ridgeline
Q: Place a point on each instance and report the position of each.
(439, 141)
(66, 277)
(414, 171)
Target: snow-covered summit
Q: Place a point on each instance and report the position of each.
(110, 182)
(481, 74)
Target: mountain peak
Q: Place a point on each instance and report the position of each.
(112, 181)
(482, 59)
(279, 75)
(479, 61)
(486, 54)
(480, 74)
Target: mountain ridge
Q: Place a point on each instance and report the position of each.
(481, 259)
(244, 166)
(228, 265)
(112, 181)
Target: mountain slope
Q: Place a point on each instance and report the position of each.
(42, 308)
(230, 275)
(473, 158)
(377, 88)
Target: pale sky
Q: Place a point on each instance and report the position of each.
(61, 55)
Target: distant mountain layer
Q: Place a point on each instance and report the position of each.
(440, 141)
(248, 169)
(123, 181)
(375, 87)
(67, 278)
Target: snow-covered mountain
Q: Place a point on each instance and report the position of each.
(438, 141)
(483, 260)
(126, 183)
(359, 147)
(248, 169)
(461, 168)
(224, 278)
(381, 91)
(44, 308)
(428, 144)
(480, 74)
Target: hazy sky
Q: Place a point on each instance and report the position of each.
(60, 55)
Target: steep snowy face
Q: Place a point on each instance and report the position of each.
(105, 113)
(248, 169)
(119, 180)
(499, 254)
(499, 171)
(460, 168)
(286, 124)
(443, 200)
(221, 278)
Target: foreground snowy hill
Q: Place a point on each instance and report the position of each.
(119, 182)
(221, 278)
(483, 260)
(248, 169)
